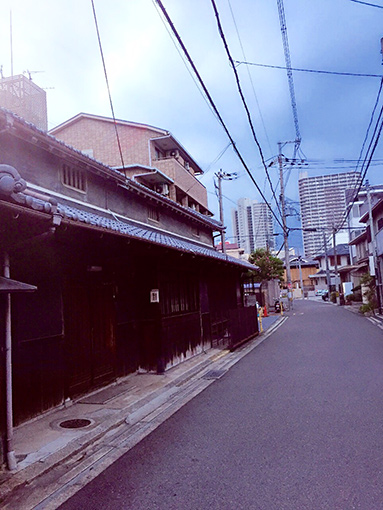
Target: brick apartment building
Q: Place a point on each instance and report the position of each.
(146, 154)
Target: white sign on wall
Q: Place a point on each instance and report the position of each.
(372, 265)
(154, 296)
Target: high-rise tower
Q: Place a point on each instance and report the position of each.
(323, 206)
(252, 225)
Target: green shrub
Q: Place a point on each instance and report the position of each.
(355, 296)
(366, 308)
(333, 296)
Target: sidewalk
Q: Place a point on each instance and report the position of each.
(130, 407)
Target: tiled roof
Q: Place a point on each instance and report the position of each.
(133, 185)
(85, 216)
(146, 234)
(341, 249)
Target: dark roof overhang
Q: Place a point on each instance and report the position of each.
(64, 214)
(9, 286)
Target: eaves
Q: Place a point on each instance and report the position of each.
(22, 129)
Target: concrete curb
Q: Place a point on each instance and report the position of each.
(11, 481)
(131, 416)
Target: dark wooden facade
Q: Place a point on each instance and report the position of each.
(91, 319)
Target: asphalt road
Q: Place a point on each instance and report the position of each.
(296, 424)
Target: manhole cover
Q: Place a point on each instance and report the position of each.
(214, 374)
(77, 423)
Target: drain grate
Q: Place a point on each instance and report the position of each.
(214, 374)
(77, 423)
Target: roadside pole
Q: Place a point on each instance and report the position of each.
(300, 274)
(337, 285)
(374, 265)
(328, 279)
(227, 177)
(285, 231)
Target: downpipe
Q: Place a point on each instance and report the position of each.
(10, 453)
(9, 448)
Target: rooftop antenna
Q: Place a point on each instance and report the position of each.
(29, 73)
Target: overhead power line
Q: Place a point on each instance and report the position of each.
(182, 57)
(250, 77)
(319, 71)
(210, 99)
(372, 146)
(240, 91)
(370, 123)
(107, 83)
(367, 3)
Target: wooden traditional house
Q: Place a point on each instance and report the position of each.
(126, 278)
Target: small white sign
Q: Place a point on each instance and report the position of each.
(372, 265)
(154, 296)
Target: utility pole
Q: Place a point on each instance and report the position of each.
(300, 274)
(285, 232)
(328, 279)
(223, 240)
(227, 177)
(337, 284)
(373, 267)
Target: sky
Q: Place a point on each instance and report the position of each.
(150, 83)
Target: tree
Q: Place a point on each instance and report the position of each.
(268, 266)
(368, 283)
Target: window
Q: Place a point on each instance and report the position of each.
(356, 211)
(179, 294)
(195, 231)
(159, 154)
(380, 223)
(153, 213)
(73, 178)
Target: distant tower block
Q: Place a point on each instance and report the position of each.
(23, 97)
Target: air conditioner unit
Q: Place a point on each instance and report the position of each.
(165, 189)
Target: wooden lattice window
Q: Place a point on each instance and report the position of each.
(153, 213)
(73, 177)
(180, 292)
